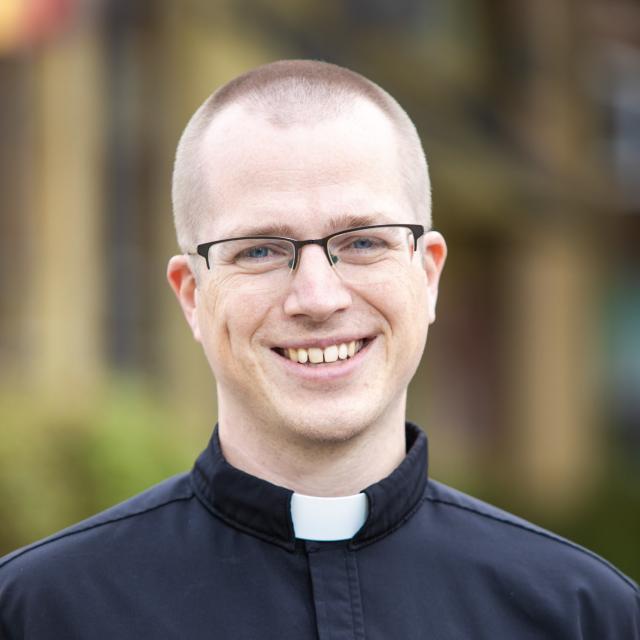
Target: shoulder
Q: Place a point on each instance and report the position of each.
(519, 551)
(537, 573)
(137, 514)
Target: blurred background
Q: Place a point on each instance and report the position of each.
(529, 112)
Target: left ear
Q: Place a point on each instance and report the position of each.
(434, 254)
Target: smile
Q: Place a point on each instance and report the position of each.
(315, 355)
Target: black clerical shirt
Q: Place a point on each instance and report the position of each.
(212, 554)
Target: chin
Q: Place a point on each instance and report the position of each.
(331, 426)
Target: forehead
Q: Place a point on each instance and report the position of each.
(310, 177)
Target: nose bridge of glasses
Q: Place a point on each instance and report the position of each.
(300, 244)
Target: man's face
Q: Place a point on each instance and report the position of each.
(310, 178)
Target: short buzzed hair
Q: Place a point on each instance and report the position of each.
(287, 93)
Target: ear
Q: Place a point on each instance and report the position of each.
(434, 256)
(183, 282)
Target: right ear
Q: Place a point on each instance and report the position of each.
(183, 282)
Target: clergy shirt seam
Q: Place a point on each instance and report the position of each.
(357, 615)
(62, 535)
(320, 601)
(542, 534)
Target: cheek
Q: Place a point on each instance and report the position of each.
(229, 319)
(402, 302)
(211, 320)
(418, 319)
(410, 328)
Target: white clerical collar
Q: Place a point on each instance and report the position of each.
(328, 519)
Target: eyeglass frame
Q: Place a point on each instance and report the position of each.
(417, 230)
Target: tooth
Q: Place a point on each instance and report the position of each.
(293, 354)
(315, 355)
(351, 349)
(343, 351)
(331, 353)
(303, 356)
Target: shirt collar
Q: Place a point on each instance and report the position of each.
(262, 509)
(328, 519)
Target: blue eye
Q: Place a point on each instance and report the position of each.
(260, 254)
(356, 248)
(257, 252)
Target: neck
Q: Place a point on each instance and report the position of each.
(316, 467)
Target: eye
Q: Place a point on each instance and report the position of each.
(363, 247)
(260, 254)
(363, 243)
(257, 253)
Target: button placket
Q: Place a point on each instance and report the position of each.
(336, 592)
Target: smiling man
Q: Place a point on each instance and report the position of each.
(312, 360)
(309, 274)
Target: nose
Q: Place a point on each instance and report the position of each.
(316, 290)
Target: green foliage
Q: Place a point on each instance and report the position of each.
(58, 466)
(609, 524)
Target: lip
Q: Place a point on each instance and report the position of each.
(328, 370)
(322, 342)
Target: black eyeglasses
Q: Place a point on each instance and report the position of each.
(348, 251)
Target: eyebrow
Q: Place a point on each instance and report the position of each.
(343, 221)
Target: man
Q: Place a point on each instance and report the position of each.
(309, 274)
